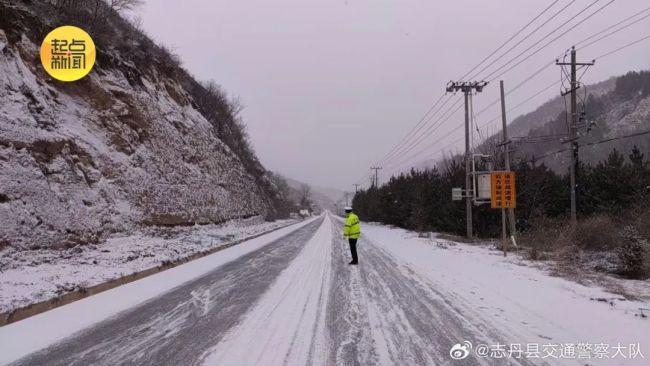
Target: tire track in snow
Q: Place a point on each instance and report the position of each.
(348, 322)
(384, 312)
(286, 327)
(178, 326)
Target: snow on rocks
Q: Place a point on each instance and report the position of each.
(81, 161)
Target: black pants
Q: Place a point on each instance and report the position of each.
(353, 249)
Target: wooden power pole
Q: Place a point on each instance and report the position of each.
(467, 88)
(573, 127)
(376, 180)
(506, 158)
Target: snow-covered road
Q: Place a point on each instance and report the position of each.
(290, 298)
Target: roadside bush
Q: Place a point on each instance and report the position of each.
(633, 259)
(543, 236)
(556, 238)
(596, 233)
(641, 221)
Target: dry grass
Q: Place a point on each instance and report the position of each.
(595, 244)
(597, 233)
(543, 237)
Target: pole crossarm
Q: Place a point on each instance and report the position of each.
(466, 86)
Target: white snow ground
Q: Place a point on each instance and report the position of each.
(525, 303)
(409, 300)
(30, 276)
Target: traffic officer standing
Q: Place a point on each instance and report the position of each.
(352, 231)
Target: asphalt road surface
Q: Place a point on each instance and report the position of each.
(294, 301)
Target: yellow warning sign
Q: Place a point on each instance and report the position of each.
(504, 194)
(68, 53)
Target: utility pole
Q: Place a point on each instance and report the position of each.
(376, 181)
(467, 88)
(356, 188)
(506, 157)
(347, 200)
(573, 128)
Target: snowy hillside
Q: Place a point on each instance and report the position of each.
(548, 111)
(123, 147)
(614, 107)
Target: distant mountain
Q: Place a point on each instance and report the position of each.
(612, 108)
(325, 198)
(615, 107)
(522, 125)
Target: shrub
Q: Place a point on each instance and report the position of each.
(632, 254)
(544, 235)
(596, 233)
(642, 221)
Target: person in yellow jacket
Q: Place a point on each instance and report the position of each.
(352, 231)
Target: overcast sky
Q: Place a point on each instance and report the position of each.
(329, 87)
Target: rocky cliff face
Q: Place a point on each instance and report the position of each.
(123, 147)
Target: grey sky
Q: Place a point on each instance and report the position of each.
(330, 86)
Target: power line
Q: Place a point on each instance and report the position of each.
(612, 26)
(460, 126)
(599, 57)
(404, 143)
(523, 39)
(521, 103)
(553, 84)
(420, 123)
(557, 82)
(480, 112)
(549, 42)
(511, 38)
(414, 128)
(496, 101)
(623, 47)
(439, 150)
(617, 138)
(430, 130)
(585, 46)
(537, 158)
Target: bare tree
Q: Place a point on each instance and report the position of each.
(125, 5)
(305, 196)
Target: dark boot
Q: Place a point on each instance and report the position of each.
(353, 251)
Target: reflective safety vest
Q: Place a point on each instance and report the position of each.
(352, 227)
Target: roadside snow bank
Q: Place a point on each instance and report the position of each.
(32, 276)
(527, 304)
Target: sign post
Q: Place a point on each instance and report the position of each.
(504, 195)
